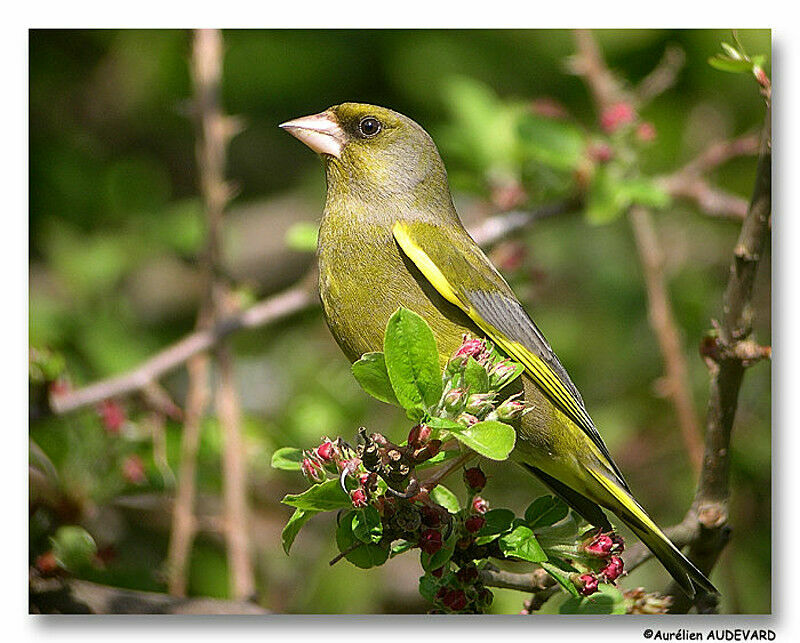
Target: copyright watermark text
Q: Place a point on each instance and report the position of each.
(721, 634)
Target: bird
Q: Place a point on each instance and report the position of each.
(390, 237)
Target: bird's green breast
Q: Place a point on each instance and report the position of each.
(364, 278)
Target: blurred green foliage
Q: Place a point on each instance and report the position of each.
(116, 226)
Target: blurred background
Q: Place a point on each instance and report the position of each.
(117, 225)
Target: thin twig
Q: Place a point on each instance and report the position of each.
(183, 520)
(214, 133)
(267, 311)
(689, 182)
(666, 329)
(663, 76)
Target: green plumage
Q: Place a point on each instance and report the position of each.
(390, 237)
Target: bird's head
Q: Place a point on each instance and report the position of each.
(372, 149)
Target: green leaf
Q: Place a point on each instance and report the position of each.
(545, 511)
(73, 548)
(412, 360)
(644, 192)
(607, 600)
(364, 555)
(444, 424)
(367, 526)
(555, 143)
(428, 586)
(370, 372)
(731, 51)
(326, 496)
(723, 63)
(497, 521)
(476, 379)
(441, 495)
(559, 572)
(302, 236)
(604, 202)
(292, 528)
(287, 459)
(491, 439)
(400, 547)
(521, 543)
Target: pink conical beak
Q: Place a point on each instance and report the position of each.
(320, 132)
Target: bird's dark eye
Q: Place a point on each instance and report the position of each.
(369, 126)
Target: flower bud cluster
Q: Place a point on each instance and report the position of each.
(603, 550)
(324, 459)
(468, 407)
(461, 591)
(638, 601)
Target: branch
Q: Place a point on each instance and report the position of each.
(214, 132)
(663, 322)
(727, 371)
(689, 181)
(269, 310)
(705, 527)
(662, 77)
(67, 596)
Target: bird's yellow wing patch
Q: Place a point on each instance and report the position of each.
(495, 310)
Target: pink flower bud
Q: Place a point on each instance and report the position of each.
(430, 541)
(326, 451)
(454, 400)
(646, 132)
(511, 409)
(467, 419)
(467, 575)
(616, 116)
(613, 570)
(359, 498)
(601, 152)
(480, 403)
(479, 505)
(419, 435)
(455, 599)
(475, 478)
(112, 416)
(474, 524)
(431, 517)
(589, 584)
(475, 348)
(133, 470)
(312, 470)
(500, 374)
(600, 546)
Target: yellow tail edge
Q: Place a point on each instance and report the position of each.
(685, 573)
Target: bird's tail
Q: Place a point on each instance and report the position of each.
(631, 513)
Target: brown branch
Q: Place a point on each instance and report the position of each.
(214, 133)
(663, 322)
(71, 596)
(690, 183)
(183, 520)
(269, 310)
(663, 76)
(711, 500)
(705, 527)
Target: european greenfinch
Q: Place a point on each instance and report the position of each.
(390, 237)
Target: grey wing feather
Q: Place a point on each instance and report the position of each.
(508, 316)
